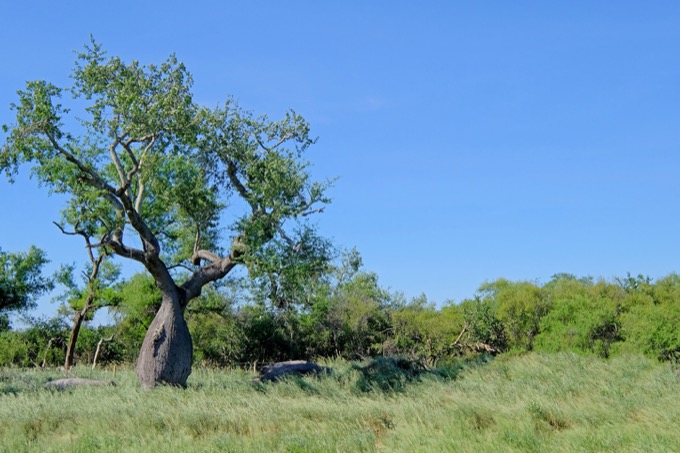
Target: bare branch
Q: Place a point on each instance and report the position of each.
(197, 239)
(99, 348)
(68, 233)
(460, 335)
(282, 140)
(183, 266)
(314, 211)
(262, 145)
(196, 260)
(142, 187)
(88, 245)
(149, 239)
(99, 244)
(122, 250)
(140, 196)
(240, 188)
(116, 161)
(137, 165)
(213, 271)
(205, 255)
(140, 139)
(210, 273)
(285, 237)
(131, 155)
(117, 205)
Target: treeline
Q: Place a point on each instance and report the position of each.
(352, 317)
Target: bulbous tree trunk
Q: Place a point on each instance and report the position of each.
(166, 353)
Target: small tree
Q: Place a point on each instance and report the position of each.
(81, 302)
(21, 281)
(148, 161)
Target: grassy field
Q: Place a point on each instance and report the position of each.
(540, 403)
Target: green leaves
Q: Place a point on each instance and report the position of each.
(287, 271)
(146, 160)
(38, 120)
(131, 99)
(21, 279)
(99, 290)
(261, 160)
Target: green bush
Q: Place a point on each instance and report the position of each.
(650, 325)
(43, 341)
(579, 324)
(13, 350)
(348, 321)
(388, 374)
(519, 306)
(423, 333)
(484, 326)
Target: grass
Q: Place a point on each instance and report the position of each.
(534, 402)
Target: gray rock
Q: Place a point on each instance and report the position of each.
(294, 367)
(62, 384)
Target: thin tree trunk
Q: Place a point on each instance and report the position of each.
(49, 345)
(166, 354)
(92, 279)
(70, 350)
(99, 348)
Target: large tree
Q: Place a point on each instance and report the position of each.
(152, 174)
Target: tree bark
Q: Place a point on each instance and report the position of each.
(77, 322)
(166, 354)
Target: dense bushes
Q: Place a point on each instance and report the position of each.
(352, 317)
(419, 331)
(43, 343)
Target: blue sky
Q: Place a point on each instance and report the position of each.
(472, 140)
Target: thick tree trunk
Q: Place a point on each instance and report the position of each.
(166, 354)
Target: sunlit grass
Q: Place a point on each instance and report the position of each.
(560, 402)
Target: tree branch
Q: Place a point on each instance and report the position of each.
(205, 255)
(122, 250)
(137, 164)
(460, 335)
(216, 270)
(240, 188)
(282, 140)
(314, 211)
(151, 245)
(78, 232)
(183, 266)
(124, 182)
(95, 178)
(210, 273)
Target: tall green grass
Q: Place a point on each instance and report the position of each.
(535, 402)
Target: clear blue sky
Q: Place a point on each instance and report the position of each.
(473, 140)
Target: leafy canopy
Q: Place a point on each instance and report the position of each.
(139, 157)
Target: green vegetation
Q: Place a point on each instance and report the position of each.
(151, 176)
(21, 282)
(346, 314)
(570, 365)
(535, 402)
(578, 365)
